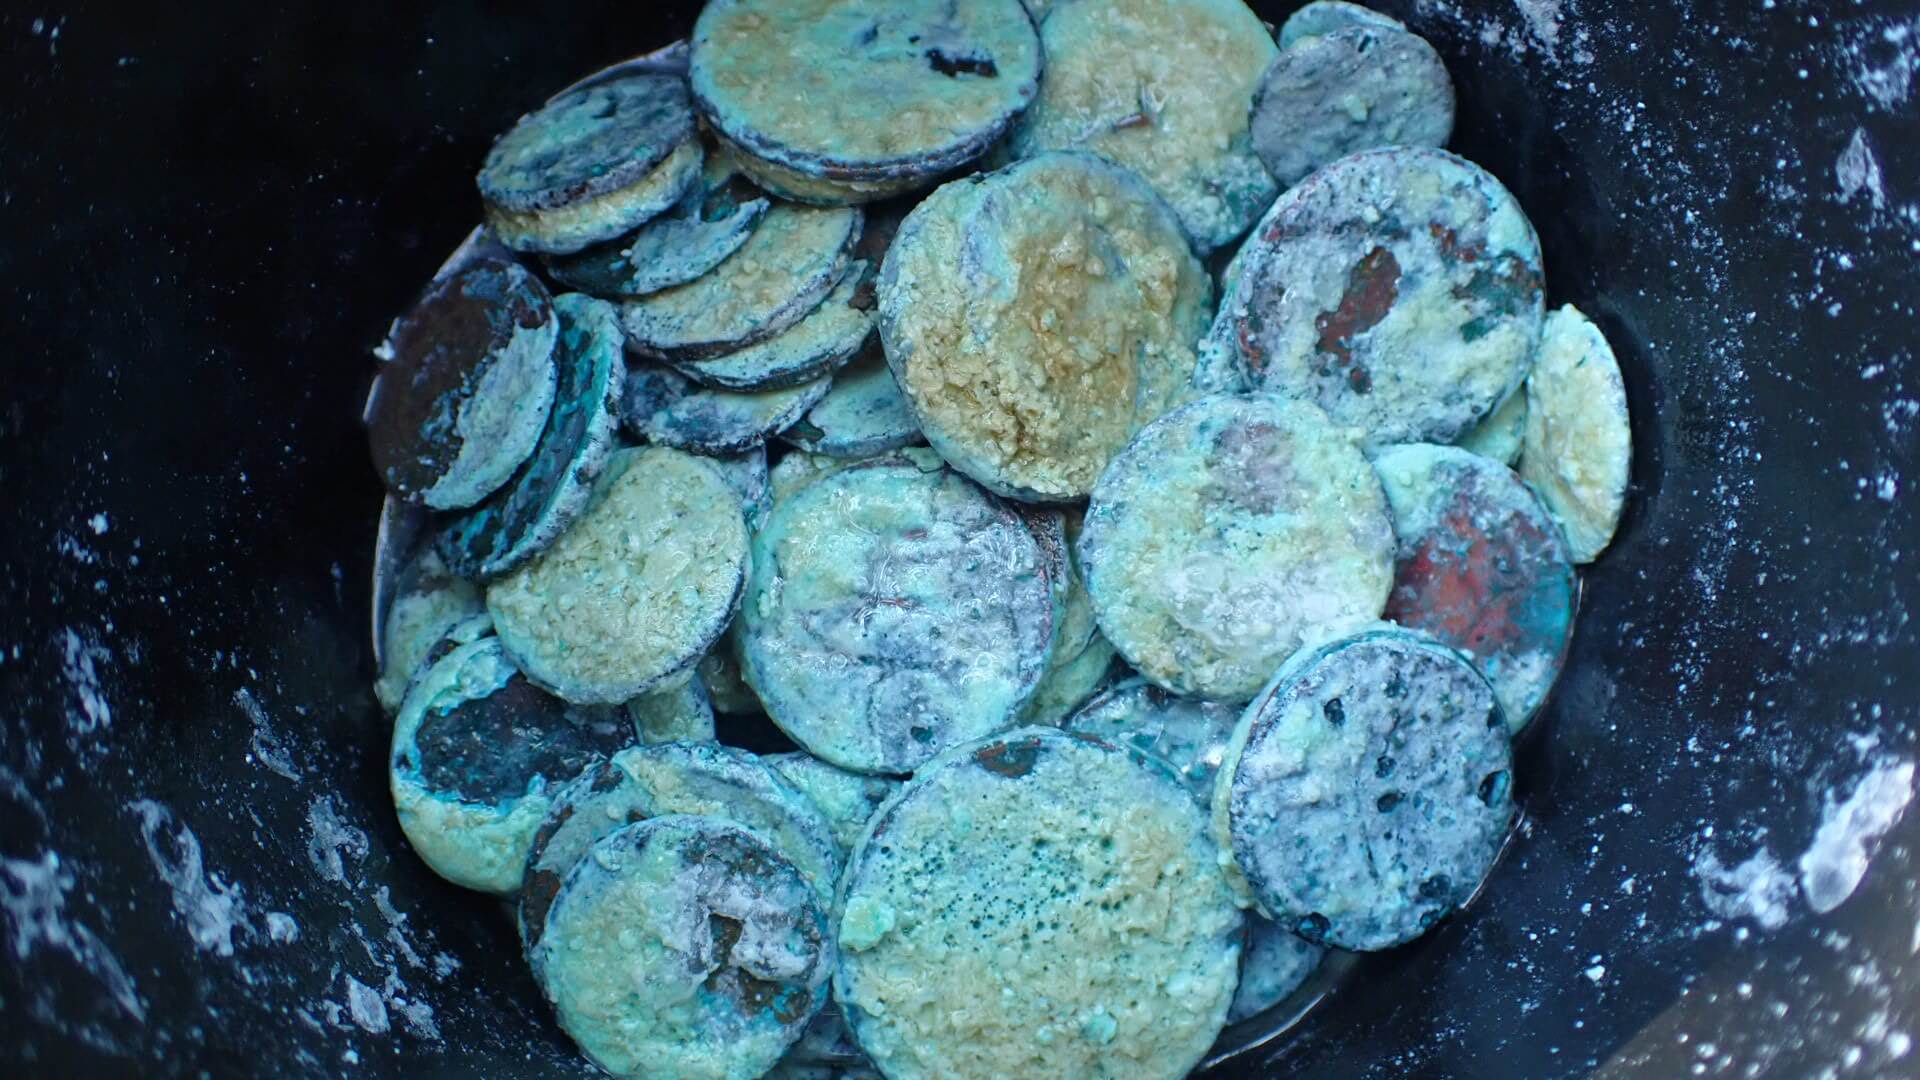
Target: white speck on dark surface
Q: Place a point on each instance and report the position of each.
(52, 32)
(81, 660)
(72, 548)
(396, 927)
(1880, 57)
(1836, 861)
(366, 1007)
(1543, 26)
(265, 742)
(1858, 171)
(33, 893)
(331, 841)
(1543, 21)
(1756, 888)
(281, 928)
(417, 1014)
(210, 908)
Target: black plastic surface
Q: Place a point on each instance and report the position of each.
(207, 219)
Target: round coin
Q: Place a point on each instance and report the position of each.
(1367, 790)
(1228, 532)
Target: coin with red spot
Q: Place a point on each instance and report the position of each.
(1399, 289)
(1480, 565)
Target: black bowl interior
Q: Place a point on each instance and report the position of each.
(208, 218)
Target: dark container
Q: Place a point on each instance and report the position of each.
(207, 218)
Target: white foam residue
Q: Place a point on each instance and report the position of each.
(329, 838)
(366, 1007)
(78, 658)
(1882, 59)
(99, 524)
(1756, 889)
(1837, 860)
(281, 928)
(1545, 26)
(211, 908)
(419, 1017)
(334, 847)
(418, 1014)
(1543, 20)
(372, 1010)
(1858, 171)
(33, 893)
(396, 927)
(264, 743)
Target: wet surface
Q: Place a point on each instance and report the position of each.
(588, 142)
(1012, 760)
(710, 223)
(1354, 88)
(1189, 734)
(460, 328)
(537, 503)
(669, 409)
(489, 749)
